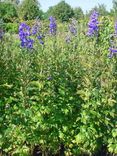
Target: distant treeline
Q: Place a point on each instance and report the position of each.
(12, 10)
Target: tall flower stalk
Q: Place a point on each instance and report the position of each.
(113, 48)
(93, 24)
(24, 34)
(1, 33)
(52, 25)
(29, 35)
(36, 27)
(1, 29)
(37, 31)
(72, 31)
(116, 27)
(73, 27)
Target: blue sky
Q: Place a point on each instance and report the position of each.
(84, 4)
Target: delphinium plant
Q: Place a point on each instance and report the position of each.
(73, 27)
(24, 34)
(53, 31)
(58, 100)
(1, 33)
(52, 26)
(97, 90)
(72, 30)
(1, 29)
(93, 29)
(38, 32)
(113, 43)
(93, 24)
(72, 34)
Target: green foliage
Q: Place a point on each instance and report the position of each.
(11, 27)
(8, 12)
(29, 10)
(59, 94)
(62, 11)
(106, 30)
(15, 2)
(114, 10)
(78, 13)
(101, 9)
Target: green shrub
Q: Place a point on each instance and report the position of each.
(8, 12)
(58, 94)
(11, 27)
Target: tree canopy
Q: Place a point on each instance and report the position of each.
(7, 12)
(62, 11)
(114, 10)
(78, 13)
(101, 9)
(30, 9)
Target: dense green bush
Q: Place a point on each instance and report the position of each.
(62, 11)
(59, 94)
(29, 10)
(11, 27)
(8, 12)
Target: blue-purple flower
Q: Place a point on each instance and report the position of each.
(34, 30)
(68, 39)
(113, 43)
(40, 38)
(1, 33)
(73, 27)
(24, 34)
(24, 30)
(116, 27)
(112, 52)
(1, 29)
(93, 24)
(36, 27)
(53, 25)
(72, 31)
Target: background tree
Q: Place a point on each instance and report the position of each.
(78, 13)
(30, 9)
(8, 12)
(16, 2)
(114, 9)
(101, 8)
(49, 12)
(62, 11)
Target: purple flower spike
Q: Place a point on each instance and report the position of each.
(30, 43)
(68, 39)
(112, 52)
(1, 33)
(40, 38)
(24, 29)
(116, 27)
(36, 27)
(24, 34)
(34, 30)
(53, 25)
(93, 24)
(73, 27)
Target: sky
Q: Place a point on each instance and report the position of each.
(86, 5)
